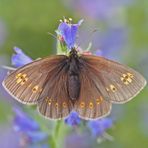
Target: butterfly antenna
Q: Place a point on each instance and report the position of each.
(89, 38)
(8, 68)
(53, 35)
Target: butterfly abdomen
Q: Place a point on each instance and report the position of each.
(73, 77)
(73, 87)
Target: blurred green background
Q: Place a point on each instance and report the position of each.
(26, 24)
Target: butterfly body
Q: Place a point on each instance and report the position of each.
(87, 84)
(73, 75)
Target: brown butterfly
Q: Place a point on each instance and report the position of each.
(87, 84)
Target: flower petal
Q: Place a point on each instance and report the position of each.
(69, 32)
(73, 119)
(98, 127)
(24, 123)
(20, 58)
(37, 136)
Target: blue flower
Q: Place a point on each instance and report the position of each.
(28, 128)
(20, 58)
(98, 9)
(36, 136)
(73, 119)
(24, 123)
(68, 32)
(98, 127)
(112, 41)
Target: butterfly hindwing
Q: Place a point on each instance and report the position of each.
(117, 83)
(55, 102)
(91, 103)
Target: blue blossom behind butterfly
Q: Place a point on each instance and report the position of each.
(99, 127)
(28, 128)
(19, 58)
(23, 123)
(73, 119)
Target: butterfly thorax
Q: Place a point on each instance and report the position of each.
(73, 75)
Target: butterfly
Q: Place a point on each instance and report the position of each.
(87, 84)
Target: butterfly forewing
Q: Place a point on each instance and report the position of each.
(26, 83)
(117, 83)
(43, 82)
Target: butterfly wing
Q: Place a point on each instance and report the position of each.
(116, 82)
(91, 103)
(55, 102)
(26, 83)
(37, 81)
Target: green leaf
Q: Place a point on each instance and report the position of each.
(61, 48)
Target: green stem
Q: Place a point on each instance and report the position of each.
(52, 142)
(54, 138)
(57, 129)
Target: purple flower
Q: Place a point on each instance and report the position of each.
(75, 140)
(37, 136)
(68, 32)
(24, 123)
(6, 132)
(73, 119)
(97, 9)
(98, 127)
(112, 41)
(107, 43)
(29, 129)
(20, 58)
